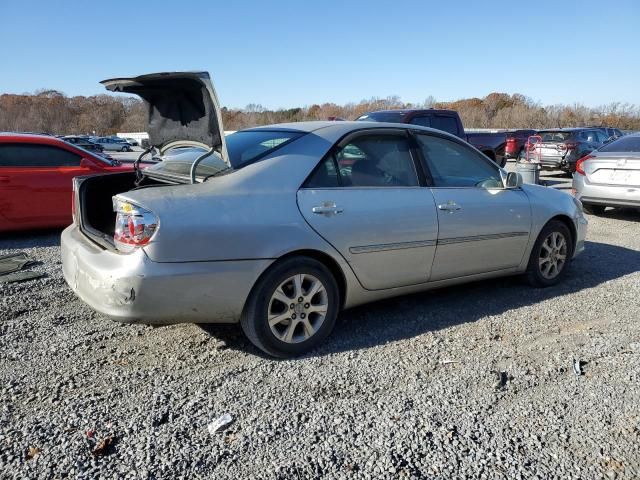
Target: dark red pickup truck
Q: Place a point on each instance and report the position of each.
(516, 143)
(491, 144)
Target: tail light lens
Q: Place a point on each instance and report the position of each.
(579, 164)
(135, 226)
(511, 145)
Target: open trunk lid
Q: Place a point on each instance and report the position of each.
(182, 109)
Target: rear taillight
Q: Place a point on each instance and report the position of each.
(579, 166)
(135, 226)
(511, 145)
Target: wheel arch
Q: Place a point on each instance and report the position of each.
(322, 257)
(570, 225)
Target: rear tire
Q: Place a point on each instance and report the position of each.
(550, 255)
(292, 309)
(593, 209)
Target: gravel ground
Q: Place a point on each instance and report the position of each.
(474, 381)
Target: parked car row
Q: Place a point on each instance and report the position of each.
(280, 227)
(560, 149)
(491, 144)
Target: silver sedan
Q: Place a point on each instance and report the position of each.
(281, 227)
(610, 176)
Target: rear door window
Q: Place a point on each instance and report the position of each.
(33, 155)
(377, 161)
(370, 160)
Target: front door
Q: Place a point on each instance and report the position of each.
(483, 226)
(365, 200)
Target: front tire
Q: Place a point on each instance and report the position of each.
(550, 255)
(292, 308)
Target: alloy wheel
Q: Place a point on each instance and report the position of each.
(297, 308)
(553, 255)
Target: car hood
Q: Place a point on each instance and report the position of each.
(182, 108)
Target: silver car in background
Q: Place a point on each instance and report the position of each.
(280, 227)
(113, 144)
(610, 176)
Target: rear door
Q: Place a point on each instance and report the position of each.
(37, 180)
(483, 227)
(366, 200)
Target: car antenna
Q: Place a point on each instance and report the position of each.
(194, 165)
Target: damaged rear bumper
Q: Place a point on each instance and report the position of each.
(131, 288)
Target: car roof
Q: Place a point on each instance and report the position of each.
(332, 130)
(29, 137)
(10, 137)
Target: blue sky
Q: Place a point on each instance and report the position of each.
(294, 53)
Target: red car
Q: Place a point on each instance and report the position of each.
(36, 173)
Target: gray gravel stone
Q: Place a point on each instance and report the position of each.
(379, 400)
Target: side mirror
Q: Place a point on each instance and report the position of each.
(514, 180)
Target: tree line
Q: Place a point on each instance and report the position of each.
(50, 111)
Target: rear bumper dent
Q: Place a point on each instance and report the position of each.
(131, 288)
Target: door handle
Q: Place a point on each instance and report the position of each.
(450, 206)
(327, 209)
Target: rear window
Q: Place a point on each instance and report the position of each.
(249, 146)
(390, 117)
(624, 144)
(555, 136)
(243, 147)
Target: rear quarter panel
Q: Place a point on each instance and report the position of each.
(249, 214)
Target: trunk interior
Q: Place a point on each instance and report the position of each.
(95, 204)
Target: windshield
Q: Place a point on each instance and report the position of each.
(555, 136)
(244, 147)
(624, 144)
(391, 117)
